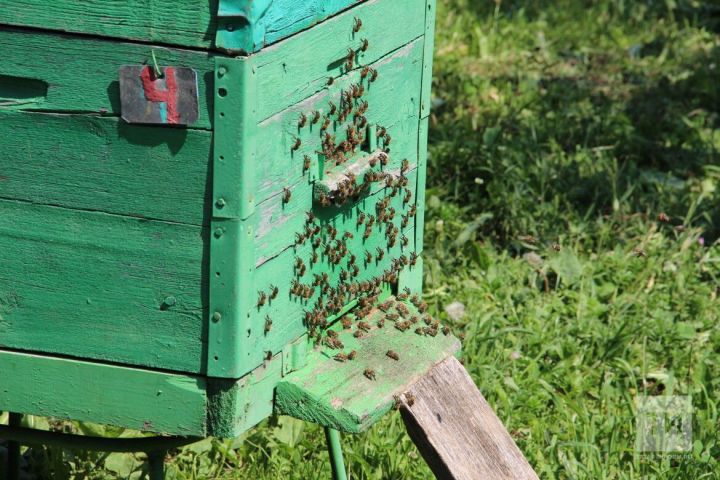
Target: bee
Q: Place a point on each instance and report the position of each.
(380, 254)
(364, 326)
(368, 257)
(262, 298)
(330, 81)
(446, 330)
(420, 331)
(316, 242)
(368, 232)
(346, 322)
(352, 355)
(301, 271)
(351, 56)
(431, 331)
(393, 355)
(409, 399)
(392, 316)
(385, 306)
(402, 309)
(274, 292)
(358, 333)
(340, 357)
(384, 159)
(268, 324)
(297, 144)
(422, 307)
(405, 241)
(405, 166)
(333, 108)
(414, 319)
(662, 217)
(371, 221)
(373, 75)
(364, 72)
(357, 25)
(556, 247)
(387, 140)
(302, 121)
(314, 258)
(402, 326)
(391, 242)
(402, 296)
(638, 252)
(360, 219)
(347, 235)
(316, 117)
(326, 124)
(287, 194)
(373, 162)
(412, 211)
(364, 44)
(369, 373)
(325, 200)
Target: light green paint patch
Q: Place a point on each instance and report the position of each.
(100, 393)
(339, 394)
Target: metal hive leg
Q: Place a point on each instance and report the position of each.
(156, 464)
(336, 456)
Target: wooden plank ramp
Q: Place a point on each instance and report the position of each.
(457, 431)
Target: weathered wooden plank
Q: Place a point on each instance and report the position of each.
(393, 102)
(102, 164)
(243, 26)
(456, 430)
(127, 397)
(156, 21)
(235, 406)
(75, 74)
(100, 286)
(299, 67)
(340, 394)
(287, 312)
(253, 24)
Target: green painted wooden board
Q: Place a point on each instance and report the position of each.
(133, 398)
(55, 73)
(246, 25)
(100, 286)
(352, 395)
(102, 164)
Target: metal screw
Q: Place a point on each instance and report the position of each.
(217, 316)
(222, 71)
(219, 232)
(220, 203)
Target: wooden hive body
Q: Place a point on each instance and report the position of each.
(135, 256)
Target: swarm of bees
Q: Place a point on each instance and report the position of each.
(334, 274)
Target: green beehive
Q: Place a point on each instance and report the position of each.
(196, 196)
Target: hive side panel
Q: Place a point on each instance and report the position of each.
(103, 164)
(127, 397)
(49, 72)
(99, 286)
(188, 23)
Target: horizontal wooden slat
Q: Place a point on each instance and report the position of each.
(127, 397)
(102, 164)
(189, 23)
(299, 67)
(100, 286)
(393, 103)
(81, 74)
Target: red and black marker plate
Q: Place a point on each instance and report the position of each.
(170, 98)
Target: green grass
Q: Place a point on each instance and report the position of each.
(561, 131)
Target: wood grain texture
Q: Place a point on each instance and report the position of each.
(156, 21)
(456, 430)
(81, 74)
(299, 67)
(339, 395)
(133, 398)
(191, 24)
(104, 287)
(102, 164)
